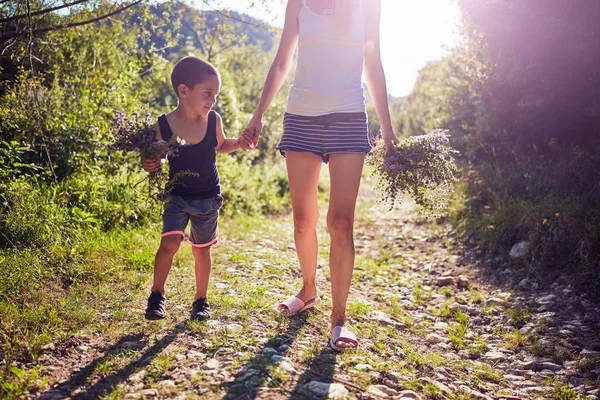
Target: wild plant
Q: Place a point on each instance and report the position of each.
(420, 166)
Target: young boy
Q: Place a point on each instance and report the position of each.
(193, 188)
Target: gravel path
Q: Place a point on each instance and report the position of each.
(435, 320)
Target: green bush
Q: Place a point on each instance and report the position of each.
(551, 202)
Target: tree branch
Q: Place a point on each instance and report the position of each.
(11, 35)
(206, 2)
(40, 12)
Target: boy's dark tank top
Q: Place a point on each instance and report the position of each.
(193, 170)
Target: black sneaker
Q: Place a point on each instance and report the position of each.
(200, 310)
(156, 306)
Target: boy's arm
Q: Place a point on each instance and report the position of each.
(225, 145)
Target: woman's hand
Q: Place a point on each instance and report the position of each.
(151, 165)
(251, 133)
(389, 139)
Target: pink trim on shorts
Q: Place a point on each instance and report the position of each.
(215, 240)
(182, 233)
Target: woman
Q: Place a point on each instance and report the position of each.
(325, 121)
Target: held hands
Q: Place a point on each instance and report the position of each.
(249, 138)
(389, 139)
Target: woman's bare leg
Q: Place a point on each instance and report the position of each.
(303, 174)
(345, 171)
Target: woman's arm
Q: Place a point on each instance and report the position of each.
(374, 72)
(279, 68)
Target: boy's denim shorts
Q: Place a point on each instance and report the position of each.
(204, 215)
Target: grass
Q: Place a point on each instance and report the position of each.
(253, 269)
(514, 340)
(457, 330)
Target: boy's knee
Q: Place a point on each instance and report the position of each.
(170, 244)
(200, 251)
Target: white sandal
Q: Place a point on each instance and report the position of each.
(295, 305)
(342, 333)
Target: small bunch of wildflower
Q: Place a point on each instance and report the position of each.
(139, 134)
(421, 166)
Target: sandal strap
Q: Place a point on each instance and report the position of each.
(341, 332)
(293, 304)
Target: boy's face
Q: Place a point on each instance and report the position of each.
(203, 96)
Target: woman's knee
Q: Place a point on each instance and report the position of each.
(170, 244)
(340, 226)
(304, 223)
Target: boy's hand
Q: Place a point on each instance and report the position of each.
(251, 133)
(244, 141)
(151, 164)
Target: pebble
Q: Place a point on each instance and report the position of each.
(327, 390)
(474, 393)
(212, 363)
(444, 280)
(463, 282)
(381, 391)
(283, 348)
(269, 351)
(495, 356)
(167, 384)
(432, 338)
(286, 366)
(590, 353)
(408, 394)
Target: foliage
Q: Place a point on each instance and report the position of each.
(66, 195)
(421, 166)
(525, 120)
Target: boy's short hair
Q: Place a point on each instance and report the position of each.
(191, 71)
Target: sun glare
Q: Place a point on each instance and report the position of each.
(413, 32)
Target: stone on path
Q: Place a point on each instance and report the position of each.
(495, 356)
(386, 320)
(519, 249)
(463, 282)
(432, 338)
(408, 394)
(286, 366)
(537, 365)
(474, 393)
(327, 390)
(212, 363)
(590, 353)
(445, 280)
(381, 391)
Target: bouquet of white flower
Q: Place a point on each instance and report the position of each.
(421, 166)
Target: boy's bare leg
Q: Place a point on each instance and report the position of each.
(164, 260)
(203, 266)
(303, 174)
(345, 171)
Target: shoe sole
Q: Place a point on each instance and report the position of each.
(152, 317)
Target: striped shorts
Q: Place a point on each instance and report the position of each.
(325, 134)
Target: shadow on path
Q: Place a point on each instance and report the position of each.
(251, 379)
(320, 371)
(107, 384)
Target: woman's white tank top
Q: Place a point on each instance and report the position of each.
(330, 64)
